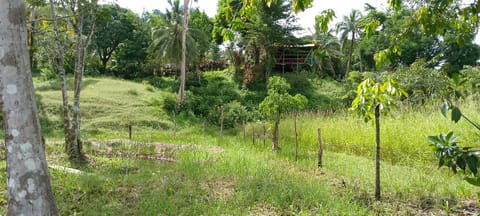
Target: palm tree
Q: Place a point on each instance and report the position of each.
(172, 40)
(349, 27)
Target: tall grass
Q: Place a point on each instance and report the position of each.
(403, 133)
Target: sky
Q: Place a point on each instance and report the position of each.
(306, 18)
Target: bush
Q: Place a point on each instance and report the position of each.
(423, 83)
(47, 73)
(472, 77)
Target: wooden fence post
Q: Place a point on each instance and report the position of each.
(129, 131)
(174, 125)
(244, 131)
(264, 133)
(296, 136)
(320, 148)
(203, 129)
(253, 134)
(221, 122)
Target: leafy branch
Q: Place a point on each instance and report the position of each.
(450, 154)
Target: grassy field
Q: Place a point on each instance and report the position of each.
(204, 174)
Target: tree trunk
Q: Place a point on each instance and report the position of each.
(75, 149)
(181, 91)
(350, 54)
(360, 59)
(59, 63)
(275, 133)
(31, 36)
(28, 180)
(377, 152)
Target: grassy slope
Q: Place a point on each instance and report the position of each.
(246, 178)
(107, 106)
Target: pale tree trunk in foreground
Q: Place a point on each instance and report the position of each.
(183, 67)
(28, 180)
(59, 63)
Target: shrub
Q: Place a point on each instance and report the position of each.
(47, 73)
(423, 83)
(472, 77)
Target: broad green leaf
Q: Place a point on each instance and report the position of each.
(456, 114)
(435, 139)
(472, 162)
(473, 181)
(461, 163)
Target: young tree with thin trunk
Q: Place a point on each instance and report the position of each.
(371, 99)
(83, 15)
(28, 180)
(59, 63)
(277, 102)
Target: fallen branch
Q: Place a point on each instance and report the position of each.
(65, 169)
(157, 157)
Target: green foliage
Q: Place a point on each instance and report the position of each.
(255, 28)
(113, 26)
(352, 81)
(167, 36)
(130, 59)
(47, 73)
(278, 100)
(323, 19)
(208, 95)
(201, 22)
(349, 30)
(472, 75)
(452, 21)
(371, 94)
(451, 155)
(422, 83)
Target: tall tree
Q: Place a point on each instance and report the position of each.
(183, 67)
(349, 27)
(200, 22)
(28, 180)
(435, 18)
(131, 59)
(33, 19)
(83, 23)
(257, 30)
(113, 26)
